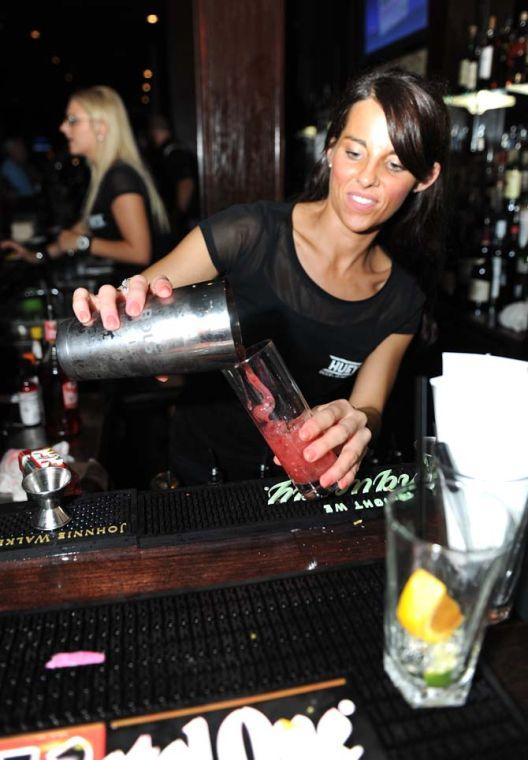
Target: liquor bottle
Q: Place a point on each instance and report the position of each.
(517, 52)
(487, 60)
(510, 258)
(470, 254)
(59, 392)
(504, 40)
(29, 396)
(479, 284)
(512, 186)
(467, 70)
(497, 263)
(523, 200)
(520, 277)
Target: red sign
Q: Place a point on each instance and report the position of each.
(87, 742)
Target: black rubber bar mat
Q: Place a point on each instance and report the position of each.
(122, 518)
(99, 520)
(197, 647)
(186, 513)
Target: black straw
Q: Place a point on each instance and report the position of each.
(420, 422)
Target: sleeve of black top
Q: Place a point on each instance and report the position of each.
(123, 179)
(232, 234)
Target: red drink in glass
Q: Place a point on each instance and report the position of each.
(279, 410)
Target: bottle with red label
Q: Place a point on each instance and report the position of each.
(29, 400)
(61, 404)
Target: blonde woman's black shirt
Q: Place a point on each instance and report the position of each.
(120, 179)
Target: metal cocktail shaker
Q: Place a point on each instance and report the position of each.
(193, 330)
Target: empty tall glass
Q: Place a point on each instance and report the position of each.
(514, 494)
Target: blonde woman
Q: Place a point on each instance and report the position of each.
(122, 212)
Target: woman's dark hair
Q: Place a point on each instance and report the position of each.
(418, 125)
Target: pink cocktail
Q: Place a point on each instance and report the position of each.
(283, 439)
(279, 410)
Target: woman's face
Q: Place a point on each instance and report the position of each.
(368, 182)
(78, 128)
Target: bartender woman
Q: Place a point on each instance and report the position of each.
(338, 280)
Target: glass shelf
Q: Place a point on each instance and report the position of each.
(479, 102)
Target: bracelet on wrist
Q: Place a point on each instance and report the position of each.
(84, 243)
(42, 256)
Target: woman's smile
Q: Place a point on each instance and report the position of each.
(361, 202)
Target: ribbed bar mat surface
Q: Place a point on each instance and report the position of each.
(184, 513)
(192, 648)
(99, 520)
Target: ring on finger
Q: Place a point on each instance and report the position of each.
(123, 288)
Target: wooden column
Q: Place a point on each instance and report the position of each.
(239, 68)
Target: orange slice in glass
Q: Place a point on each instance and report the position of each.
(426, 610)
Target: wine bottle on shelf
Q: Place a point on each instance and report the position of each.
(504, 40)
(517, 52)
(467, 70)
(487, 59)
(512, 186)
(511, 253)
(520, 277)
(60, 394)
(479, 285)
(497, 263)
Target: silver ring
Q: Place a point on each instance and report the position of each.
(123, 288)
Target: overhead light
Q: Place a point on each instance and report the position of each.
(152, 18)
(145, 99)
(147, 74)
(34, 34)
(145, 87)
(55, 60)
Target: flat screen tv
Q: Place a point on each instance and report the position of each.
(393, 24)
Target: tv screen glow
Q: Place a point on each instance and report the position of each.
(388, 21)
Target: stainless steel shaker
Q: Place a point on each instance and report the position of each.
(193, 330)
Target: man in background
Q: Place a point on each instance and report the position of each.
(175, 172)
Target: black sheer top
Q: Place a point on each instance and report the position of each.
(323, 339)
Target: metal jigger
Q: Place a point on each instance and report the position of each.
(45, 487)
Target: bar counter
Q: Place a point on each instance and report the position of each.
(342, 533)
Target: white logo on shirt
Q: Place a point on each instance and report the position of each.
(96, 221)
(339, 367)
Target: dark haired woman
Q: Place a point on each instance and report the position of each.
(323, 277)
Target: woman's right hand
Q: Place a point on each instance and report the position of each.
(86, 304)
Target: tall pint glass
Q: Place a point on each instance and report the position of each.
(274, 402)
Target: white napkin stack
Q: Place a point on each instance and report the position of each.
(481, 413)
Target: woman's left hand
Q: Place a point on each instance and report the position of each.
(67, 241)
(334, 425)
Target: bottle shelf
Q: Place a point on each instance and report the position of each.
(479, 102)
